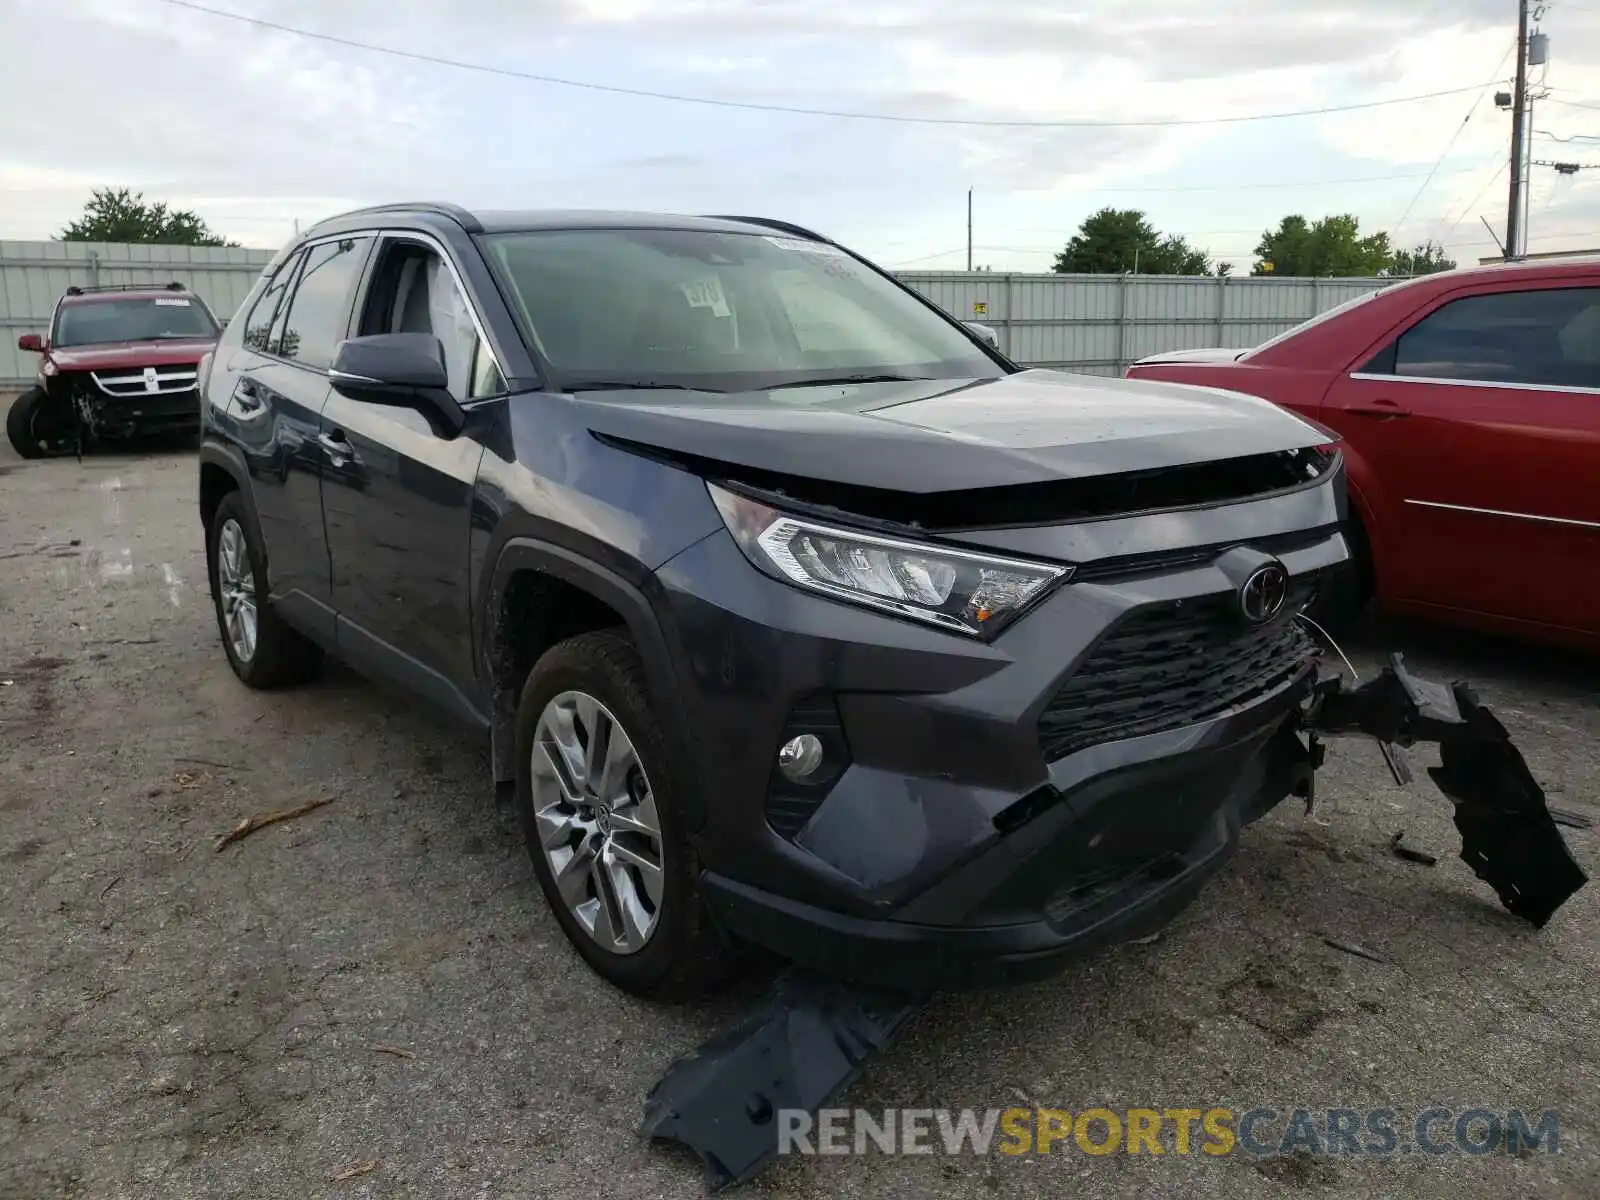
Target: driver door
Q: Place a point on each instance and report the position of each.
(397, 496)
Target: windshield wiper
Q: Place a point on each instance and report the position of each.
(630, 385)
(834, 380)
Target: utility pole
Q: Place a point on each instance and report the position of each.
(969, 229)
(1519, 136)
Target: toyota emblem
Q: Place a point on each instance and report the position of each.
(1263, 595)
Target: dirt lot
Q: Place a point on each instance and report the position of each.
(177, 1021)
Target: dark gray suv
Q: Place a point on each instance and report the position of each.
(797, 614)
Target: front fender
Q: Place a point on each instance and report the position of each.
(645, 627)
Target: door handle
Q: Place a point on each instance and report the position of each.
(1378, 408)
(338, 450)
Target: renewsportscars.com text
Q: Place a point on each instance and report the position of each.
(1216, 1131)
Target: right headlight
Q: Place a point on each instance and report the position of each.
(958, 590)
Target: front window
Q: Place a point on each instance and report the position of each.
(721, 312)
(146, 318)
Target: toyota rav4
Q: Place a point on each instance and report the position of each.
(117, 362)
(797, 615)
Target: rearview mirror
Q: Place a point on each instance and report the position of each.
(984, 332)
(31, 341)
(402, 370)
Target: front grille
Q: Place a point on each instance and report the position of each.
(1173, 664)
(157, 381)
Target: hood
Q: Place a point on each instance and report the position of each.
(1207, 355)
(109, 356)
(945, 435)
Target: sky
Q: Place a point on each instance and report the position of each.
(1048, 111)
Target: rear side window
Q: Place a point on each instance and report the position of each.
(258, 333)
(319, 313)
(1546, 337)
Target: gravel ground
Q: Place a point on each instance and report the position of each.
(177, 1021)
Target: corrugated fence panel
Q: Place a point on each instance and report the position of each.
(1092, 323)
(34, 274)
(1098, 324)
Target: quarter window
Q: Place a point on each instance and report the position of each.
(1548, 337)
(320, 311)
(258, 331)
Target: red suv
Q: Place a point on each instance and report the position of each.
(118, 362)
(1469, 406)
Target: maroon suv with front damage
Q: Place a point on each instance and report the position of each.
(117, 362)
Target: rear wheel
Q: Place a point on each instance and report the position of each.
(37, 427)
(262, 650)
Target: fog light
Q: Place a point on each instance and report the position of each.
(799, 757)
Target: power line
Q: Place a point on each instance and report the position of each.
(797, 110)
(1487, 184)
(1448, 146)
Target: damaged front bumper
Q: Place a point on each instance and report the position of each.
(860, 983)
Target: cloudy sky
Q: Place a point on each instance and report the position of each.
(257, 128)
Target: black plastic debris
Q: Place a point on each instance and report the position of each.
(1572, 820)
(805, 1045)
(1508, 836)
(1399, 849)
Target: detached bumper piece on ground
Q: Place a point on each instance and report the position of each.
(813, 1035)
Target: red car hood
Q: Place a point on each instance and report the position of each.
(107, 356)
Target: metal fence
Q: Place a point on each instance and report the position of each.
(1096, 324)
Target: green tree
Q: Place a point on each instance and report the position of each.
(1424, 260)
(1333, 246)
(118, 215)
(1115, 240)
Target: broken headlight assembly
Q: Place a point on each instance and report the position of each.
(957, 590)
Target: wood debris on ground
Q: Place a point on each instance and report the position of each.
(248, 825)
(354, 1170)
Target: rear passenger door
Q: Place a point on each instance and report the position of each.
(273, 400)
(1482, 419)
(397, 496)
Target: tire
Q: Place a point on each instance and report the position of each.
(19, 423)
(276, 655)
(670, 950)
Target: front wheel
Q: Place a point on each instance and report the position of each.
(601, 809)
(37, 428)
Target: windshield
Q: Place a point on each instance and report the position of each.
(132, 320)
(719, 312)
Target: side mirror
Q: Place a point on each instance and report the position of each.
(984, 332)
(401, 370)
(31, 341)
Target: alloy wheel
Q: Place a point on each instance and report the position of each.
(236, 590)
(597, 824)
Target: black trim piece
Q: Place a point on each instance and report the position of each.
(372, 655)
(1132, 566)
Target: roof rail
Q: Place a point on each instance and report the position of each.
(771, 223)
(437, 208)
(174, 286)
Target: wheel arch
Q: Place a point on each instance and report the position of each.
(220, 473)
(540, 594)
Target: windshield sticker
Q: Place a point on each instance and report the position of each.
(801, 246)
(164, 302)
(706, 293)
